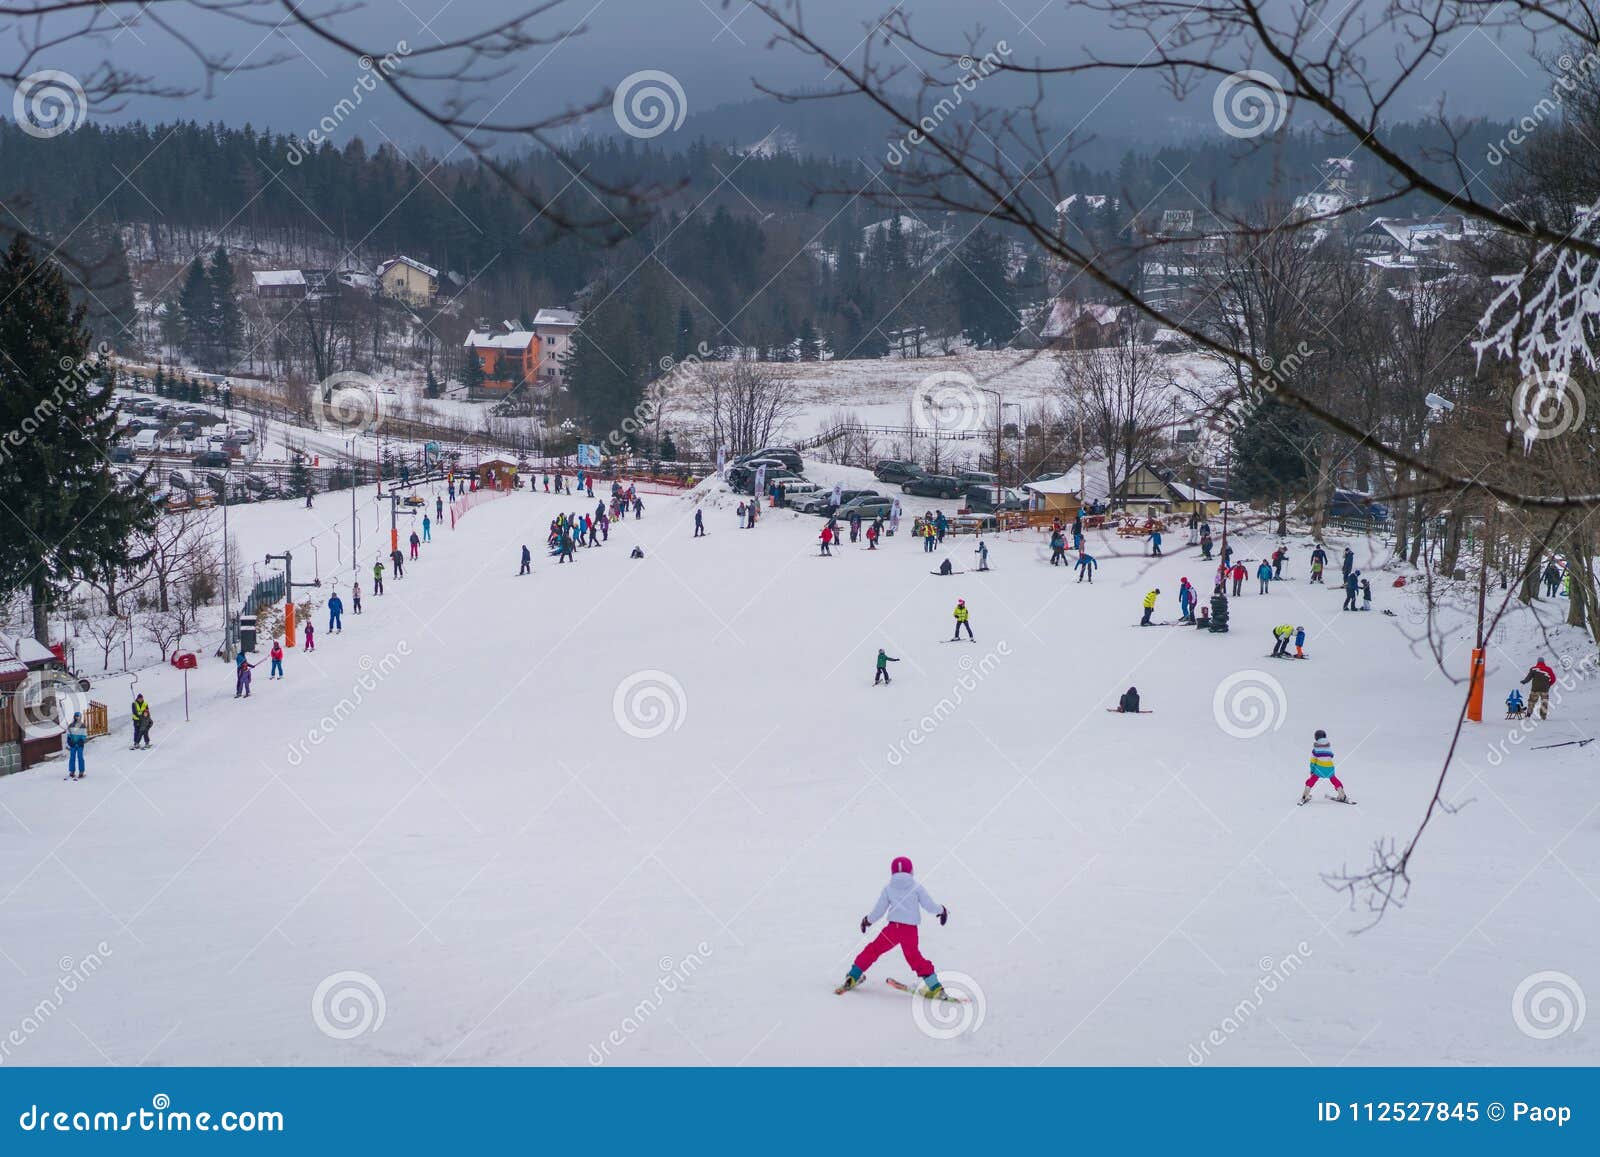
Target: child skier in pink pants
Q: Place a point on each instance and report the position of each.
(903, 900)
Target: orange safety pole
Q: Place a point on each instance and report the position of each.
(288, 623)
(1475, 691)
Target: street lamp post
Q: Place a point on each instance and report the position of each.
(227, 569)
(999, 427)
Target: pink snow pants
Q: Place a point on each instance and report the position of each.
(904, 935)
(1333, 779)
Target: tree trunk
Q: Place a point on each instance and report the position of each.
(1323, 493)
(1580, 580)
(1450, 549)
(1528, 584)
(1283, 517)
(41, 609)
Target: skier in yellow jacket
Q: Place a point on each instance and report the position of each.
(961, 614)
(1149, 606)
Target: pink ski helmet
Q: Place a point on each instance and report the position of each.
(900, 864)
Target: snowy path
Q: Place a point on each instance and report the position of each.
(477, 834)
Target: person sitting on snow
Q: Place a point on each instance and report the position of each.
(1129, 703)
(1514, 704)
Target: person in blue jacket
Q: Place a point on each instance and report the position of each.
(1514, 704)
(1155, 544)
(335, 614)
(1186, 601)
(1085, 566)
(427, 529)
(1264, 574)
(1352, 587)
(77, 737)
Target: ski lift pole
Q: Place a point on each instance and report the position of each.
(288, 594)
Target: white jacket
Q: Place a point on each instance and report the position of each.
(901, 898)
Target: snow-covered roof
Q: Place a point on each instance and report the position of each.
(1192, 493)
(30, 650)
(403, 260)
(277, 277)
(1087, 482)
(1320, 204)
(555, 317)
(1064, 314)
(1091, 200)
(515, 340)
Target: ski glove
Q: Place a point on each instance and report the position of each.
(865, 924)
(944, 914)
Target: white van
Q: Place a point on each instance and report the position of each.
(145, 441)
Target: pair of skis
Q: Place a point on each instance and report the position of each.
(898, 986)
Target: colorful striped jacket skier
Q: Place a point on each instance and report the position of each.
(1322, 758)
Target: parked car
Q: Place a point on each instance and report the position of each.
(178, 480)
(974, 524)
(794, 488)
(146, 440)
(935, 486)
(981, 500)
(971, 478)
(787, 456)
(868, 507)
(211, 458)
(1354, 504)
(122, 453)
(893, 470)
(816, 502)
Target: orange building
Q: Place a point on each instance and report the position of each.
(507, 358)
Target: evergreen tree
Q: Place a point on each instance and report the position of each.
(471, 371)
(1273, 450)
(226, 321)
(196, 306)
(430, 389)
(160, 383)
(67, 516)
(299, 478)
(604, 364)
(985, 299)
(683, 339)
(809, 344)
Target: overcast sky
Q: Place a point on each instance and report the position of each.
(711, 48)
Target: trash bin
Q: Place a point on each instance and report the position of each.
(247, 633)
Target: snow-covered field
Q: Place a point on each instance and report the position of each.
(880, 391)
(632, 811)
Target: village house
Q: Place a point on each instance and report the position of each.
(508, 359)
(554, 329)
(410, 281)
(279, 284)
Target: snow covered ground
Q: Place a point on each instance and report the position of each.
(631, 811)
